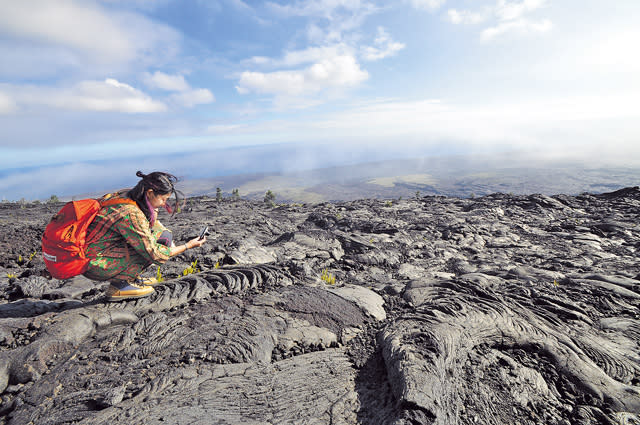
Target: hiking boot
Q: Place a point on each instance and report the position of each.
(146, 281)
(123, 290)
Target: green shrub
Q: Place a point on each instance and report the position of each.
(328, 277)
(193, 268)
(270, 198)
(159, 277)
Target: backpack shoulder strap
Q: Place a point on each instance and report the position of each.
(116, 201)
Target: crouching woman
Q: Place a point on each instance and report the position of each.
(126, 237)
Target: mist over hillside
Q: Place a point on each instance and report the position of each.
(320, 173)
(460, 176)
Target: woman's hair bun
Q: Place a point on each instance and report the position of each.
(141, 174)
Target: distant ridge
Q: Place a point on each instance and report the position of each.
(458, 176)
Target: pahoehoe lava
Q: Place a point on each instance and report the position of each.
(495, 310)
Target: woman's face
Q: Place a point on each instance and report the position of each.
(155, 200)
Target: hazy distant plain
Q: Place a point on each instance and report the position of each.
(461, 176)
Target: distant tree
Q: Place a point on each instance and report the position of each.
(53, 199)
(417, 194)
(218, 194)
(235, 194)
(270, 198)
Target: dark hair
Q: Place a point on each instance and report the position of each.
(161, 183)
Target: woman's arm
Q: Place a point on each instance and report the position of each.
(193, 243)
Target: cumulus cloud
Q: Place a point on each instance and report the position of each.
(191, 98)
(333, 72)
(86, 30)
(109, 95)
(326, 8)
(508, 11)
(313, 54)
(185, 96)
(427, 4)
(384, 47)
(522, 26)
(224, 128)
(465, 16)
(166, 82)
(330, 64)
(508, 17)
(330, 20)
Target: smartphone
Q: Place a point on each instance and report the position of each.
(204, 232)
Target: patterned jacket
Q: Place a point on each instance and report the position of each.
(121, 244)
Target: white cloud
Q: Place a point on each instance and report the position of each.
(166, 82)
(260, 60)
(138, 4)
(313, 54)
(465, 16)
(84, 28)
(329, 19)
(109, 95)
(427, 4)
(7, 104)
(333, 72)
(521, 26)
(185, 96)
(224, 128)
(508, 16)
(191, 98)
(325, 8)
(384, 47)
(508, 11)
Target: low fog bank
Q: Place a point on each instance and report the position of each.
(319, 172)
(451, 175)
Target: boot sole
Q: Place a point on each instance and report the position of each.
(150, 284)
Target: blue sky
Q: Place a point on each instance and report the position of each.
(91, 91)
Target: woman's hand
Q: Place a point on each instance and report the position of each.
(196, 242)
(193, 243)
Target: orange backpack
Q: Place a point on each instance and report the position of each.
(64, 238)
